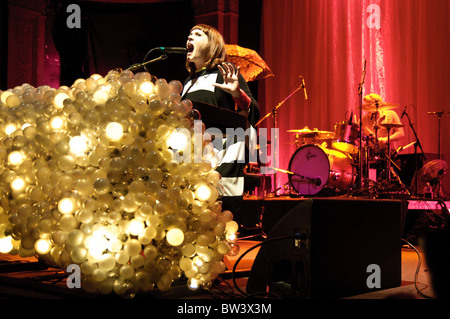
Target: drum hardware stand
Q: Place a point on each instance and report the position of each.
(439, 115)
(275, 125)
(397, 177)
(388, 154)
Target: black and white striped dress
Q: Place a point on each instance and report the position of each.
(233, 155)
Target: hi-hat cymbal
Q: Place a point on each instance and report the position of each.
(372, 107)
(390, 125)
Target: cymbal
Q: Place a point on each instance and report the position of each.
(372, 107)
(306, 132)
(391, 125)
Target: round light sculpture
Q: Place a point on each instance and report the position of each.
(100, 174)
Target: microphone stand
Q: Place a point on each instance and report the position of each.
(417, 143)
(275, 124)
(439, 115)
(360, 93)
(137, 66)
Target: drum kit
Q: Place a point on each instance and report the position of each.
(326, 160)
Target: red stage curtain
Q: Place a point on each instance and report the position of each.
(326, 41)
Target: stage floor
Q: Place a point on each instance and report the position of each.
(28, 278)
(415, 275)
(22, 278)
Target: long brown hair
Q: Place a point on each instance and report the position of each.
(217, 51)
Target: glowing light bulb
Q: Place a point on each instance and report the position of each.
(12, 101)
(135, 227)
(6, 244)
(57, 123)
(42, 246)
(16, 158)
(10, 128)
(177, 140)
(58, 101)
(114, 131)
(18, 184)
(78, 145)
(5, 95)
(96, 244)
(66, 205)
(231, 226)
(197, 261)
(230, 237)
(146, 88)
(175, 237)
(193, 283)
(203, 192)
(101, 95)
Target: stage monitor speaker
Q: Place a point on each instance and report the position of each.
(337, 248)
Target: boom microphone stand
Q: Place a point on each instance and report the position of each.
(275, 124)
(417, 144)
(137, 66)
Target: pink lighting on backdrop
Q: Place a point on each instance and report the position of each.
(327, 41)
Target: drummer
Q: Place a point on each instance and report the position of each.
(377, 115)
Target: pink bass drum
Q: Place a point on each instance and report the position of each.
(314, 167)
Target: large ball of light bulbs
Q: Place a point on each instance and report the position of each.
(102, 175)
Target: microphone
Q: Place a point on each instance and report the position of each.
(304, 87)
(404, 112)
(175, 50)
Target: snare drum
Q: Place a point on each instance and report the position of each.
(346, 136)
(315, 167)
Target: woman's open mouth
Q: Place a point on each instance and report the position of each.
(190, 48)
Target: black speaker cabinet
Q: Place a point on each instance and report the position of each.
(331, 248)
